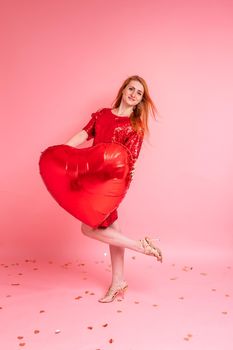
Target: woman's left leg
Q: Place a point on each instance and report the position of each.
(117, 259)
(117, 264)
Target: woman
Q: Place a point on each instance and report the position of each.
(126, 123)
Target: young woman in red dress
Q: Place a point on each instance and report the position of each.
(125, 123)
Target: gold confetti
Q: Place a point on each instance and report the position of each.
(36, 331)
(136, 302)
(22, 344)
(110, 341)
(104, 325)
(86, 291)
(41, 311)
(20, 337)
(92, 293)
(189, 335)
(79, 297)
(154, 305)
(57, 331)
(119, 311)
(89, 327)
(15, 284)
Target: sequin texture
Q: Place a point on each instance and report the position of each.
(104, 126)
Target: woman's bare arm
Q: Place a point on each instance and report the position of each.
(77, 139)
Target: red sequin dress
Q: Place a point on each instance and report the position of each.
(105, 126)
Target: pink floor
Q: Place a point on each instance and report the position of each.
(180, 304)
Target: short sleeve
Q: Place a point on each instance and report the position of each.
(90, 126)
(134, 144)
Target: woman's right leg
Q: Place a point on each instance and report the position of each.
(112, 236)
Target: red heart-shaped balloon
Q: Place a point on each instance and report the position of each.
(90, 182)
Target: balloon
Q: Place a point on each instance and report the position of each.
(90, 182)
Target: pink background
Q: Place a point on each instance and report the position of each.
(64, 60)
(61, 61)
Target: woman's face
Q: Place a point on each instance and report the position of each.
(133, 93)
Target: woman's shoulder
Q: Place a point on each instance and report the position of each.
(101, 111)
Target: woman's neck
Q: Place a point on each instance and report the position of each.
(123, 110)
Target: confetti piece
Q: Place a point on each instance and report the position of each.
(186, 338)
(189, 335)
(136, 302)
(57, 331)
(187, 268)
(89, 327)
(227, 295)
(79, 297)
(22, 344)
(154, 305)
(181, 298)
(104, 325)
(41, 311)
(20, 337)
(203, 273)
(110, 341)
(224, 312)
(36, 331)
(0, 307)
(173, 278)
(92, 293)
(213, 290)
(133, 257)
(86, 291)
(119, 311)
(35, 268)
(15, 284)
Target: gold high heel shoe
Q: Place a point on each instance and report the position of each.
(113, 292)
(150, 249)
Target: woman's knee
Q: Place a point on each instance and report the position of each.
(85, 229)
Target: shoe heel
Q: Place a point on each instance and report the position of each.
(122, 292)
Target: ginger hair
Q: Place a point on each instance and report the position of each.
(140, 114)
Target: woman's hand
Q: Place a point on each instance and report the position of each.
(132, 172)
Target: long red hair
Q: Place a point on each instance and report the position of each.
(140, 114)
